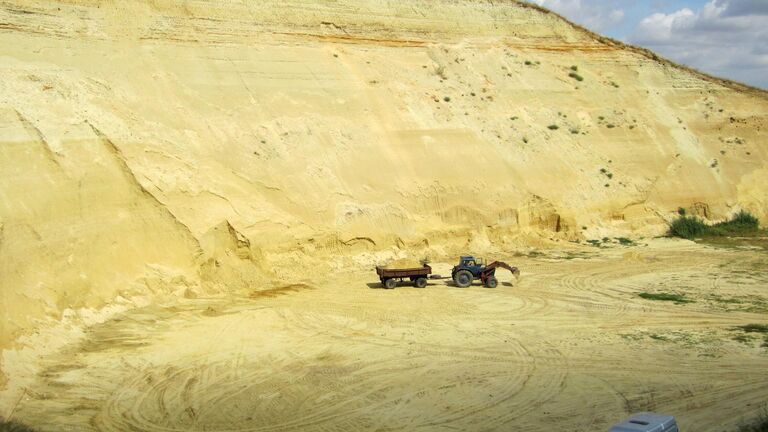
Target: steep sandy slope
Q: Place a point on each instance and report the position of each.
(180, 147)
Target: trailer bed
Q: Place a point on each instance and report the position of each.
(418, 276)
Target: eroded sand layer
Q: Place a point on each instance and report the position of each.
(150, 148)
(570, 347)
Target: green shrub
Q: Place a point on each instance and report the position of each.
(677, 298)
(687, 227)
(576, 76)
(690, 226)
(575, 68)
(553, 127)
(744, 218)
(758, 425)
(12, 426)
(754, 328)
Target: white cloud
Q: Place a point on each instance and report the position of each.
(744, 7)
(661, 27)
(726, 38)
(591, 14)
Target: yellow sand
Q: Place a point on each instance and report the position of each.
(155, 152)
(570, 347)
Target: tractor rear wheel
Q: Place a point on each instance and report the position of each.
(420, 282)
(390, 283)
(463, 278)
(491, 282)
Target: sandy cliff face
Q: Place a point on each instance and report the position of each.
(167, 147)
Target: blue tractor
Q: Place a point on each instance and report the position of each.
(470, 269)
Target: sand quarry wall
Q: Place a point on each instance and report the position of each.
(153, 147)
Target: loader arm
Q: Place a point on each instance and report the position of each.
(491, 268)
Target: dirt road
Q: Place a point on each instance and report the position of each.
(570, 347)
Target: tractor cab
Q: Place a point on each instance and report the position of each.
(470, 263)
(471, 268)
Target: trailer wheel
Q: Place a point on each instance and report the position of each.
(463, 278)
(420, 282)
(491, 282)
(390, 283)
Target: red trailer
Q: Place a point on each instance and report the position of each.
(418, 276)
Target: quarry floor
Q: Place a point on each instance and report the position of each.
(569, 347)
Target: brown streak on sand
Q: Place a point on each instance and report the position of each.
(400, 43)
(280, 291)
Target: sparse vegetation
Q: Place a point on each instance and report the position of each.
(440, 71)
(606, 173)
(447, 98)
(12, 426)
(553, 127)
(754, 304)
(576, 76)
(575, 68)
(747, 330)
(745, 339)
(605, 241)
(677, 298)
(689, 227)
(610, 126)
(758, 425)
(754, 328)
(528, 63)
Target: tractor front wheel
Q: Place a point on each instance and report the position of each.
(463, 278)
(491, 282)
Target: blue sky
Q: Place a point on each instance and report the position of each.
(727, 38)
(635, 11)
